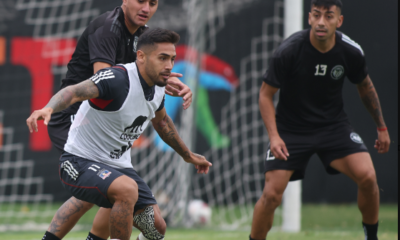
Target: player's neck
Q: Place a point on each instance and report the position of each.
(144, 75)
(323, 46)
(132, 28)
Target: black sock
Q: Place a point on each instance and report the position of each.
(50, 236)
(252, 238)
(371, 231)
(91, 236)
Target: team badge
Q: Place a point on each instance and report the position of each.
(135, 43)
(337, 72)
(356, 138)
(103, 174)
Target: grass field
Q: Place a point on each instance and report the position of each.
(319, 222)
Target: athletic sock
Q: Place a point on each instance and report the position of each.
(371, 231)
(253, 238)
(91, 236)
(50, 236)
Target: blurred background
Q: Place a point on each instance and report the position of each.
(224, 50)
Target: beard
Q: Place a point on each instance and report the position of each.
(156, 77)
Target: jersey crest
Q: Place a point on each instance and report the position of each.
(337, 72)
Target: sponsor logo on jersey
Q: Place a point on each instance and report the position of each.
(337, 72)
(129, 137)
(131, 132)
(103, 174)
(270, 156)
(356, 138)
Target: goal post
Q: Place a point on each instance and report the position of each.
(291, 203)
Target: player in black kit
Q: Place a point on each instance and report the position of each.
(109, 39)
(309, 68)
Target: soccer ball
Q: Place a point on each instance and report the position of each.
(199, 212)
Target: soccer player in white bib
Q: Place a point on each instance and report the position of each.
(310, 68)
(119, 103)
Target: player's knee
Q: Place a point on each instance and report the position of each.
(368, 180)
(123, 189)
(271, 199)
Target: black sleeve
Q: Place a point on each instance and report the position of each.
(113, 84)
(103, 45)
(161, 105)
(358, 68)
(276, 73)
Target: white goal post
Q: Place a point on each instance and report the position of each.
(291, 204)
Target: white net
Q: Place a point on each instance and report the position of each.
(23, 206)
(22, 198)
(56, 19)
(236, 179)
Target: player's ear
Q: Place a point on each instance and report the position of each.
(309, 18)
(140, 56)
(340, 22)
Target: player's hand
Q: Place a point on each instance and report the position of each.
(383, 142)
(200, 162)
(278, 148)
(178, 89)
(42, 114)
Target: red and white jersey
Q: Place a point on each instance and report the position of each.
(107, 136)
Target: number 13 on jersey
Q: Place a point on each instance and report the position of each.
(321, 70)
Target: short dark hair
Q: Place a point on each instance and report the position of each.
(327, 3)
(157, 35)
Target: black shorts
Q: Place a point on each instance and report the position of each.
(329, 143)
(59, 125)
(89, 181)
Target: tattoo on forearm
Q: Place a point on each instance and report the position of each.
(371, 101)
(87, 89)
(61, 100)
(69, 208)
(82, 91)
(167, 131)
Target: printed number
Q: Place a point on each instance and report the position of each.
(321, 70)
(94, 165)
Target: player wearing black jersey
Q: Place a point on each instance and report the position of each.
(109, 39)
(309, 69)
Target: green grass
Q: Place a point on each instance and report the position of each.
(319, 222)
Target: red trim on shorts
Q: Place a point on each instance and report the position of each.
(59, 173)
(101, 103)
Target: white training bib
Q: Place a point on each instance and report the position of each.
(107, 137)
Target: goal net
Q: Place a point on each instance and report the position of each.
(236, 179)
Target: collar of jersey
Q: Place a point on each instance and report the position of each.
(145, 86)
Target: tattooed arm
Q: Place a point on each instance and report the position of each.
(370, 99)
(164, 126)
(61, 100)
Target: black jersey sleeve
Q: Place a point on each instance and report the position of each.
(276, 72)
(103, 42)
(113, 85)
(358, 69)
